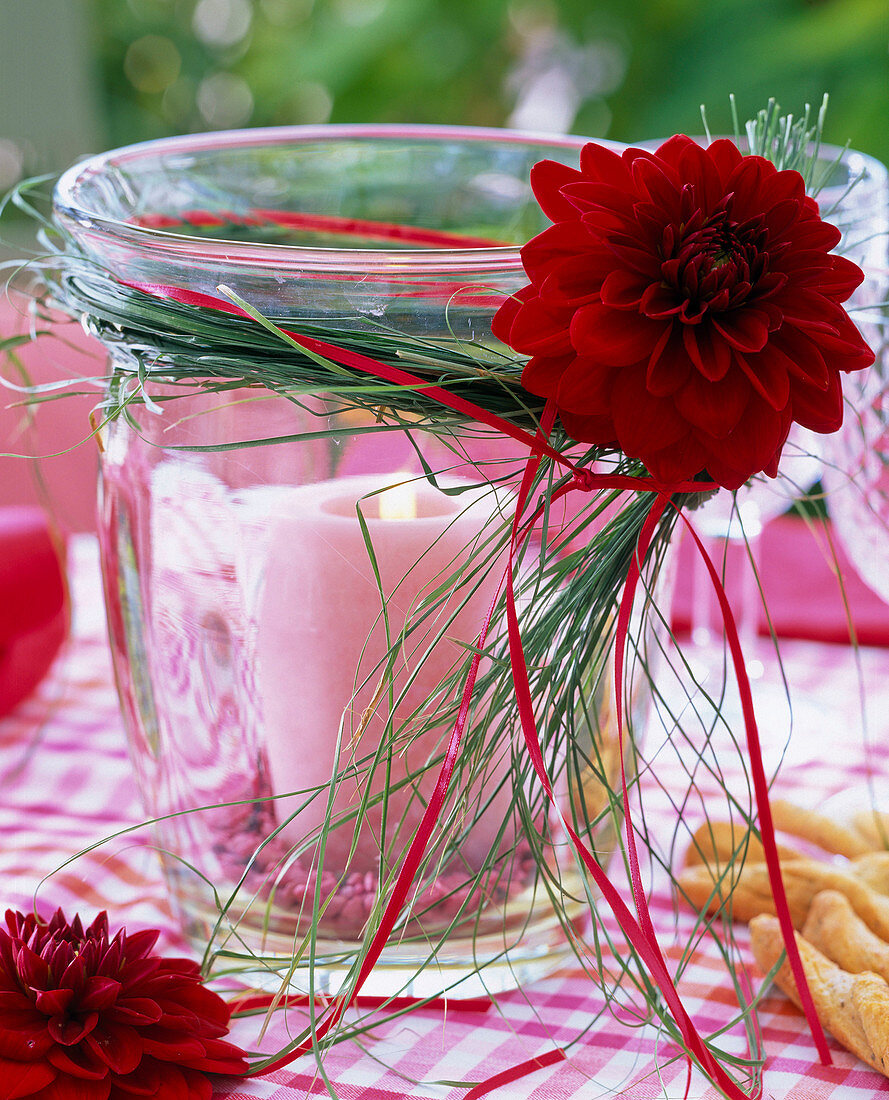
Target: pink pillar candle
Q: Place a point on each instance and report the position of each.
(320, 641)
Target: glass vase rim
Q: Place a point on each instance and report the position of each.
(83, 218)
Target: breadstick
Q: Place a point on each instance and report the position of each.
(818, 829)
(722, 842)
(873, 826)
(832, 989)
(803, 879)
(834, 929)
(873, 870)
(870, 999)
(748, 895)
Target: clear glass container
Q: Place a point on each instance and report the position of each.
(856, 458)
(296, 579)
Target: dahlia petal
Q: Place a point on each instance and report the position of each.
(773, 313)
(651, 178)
(555, 244)
(668, 154)
(178, 1018)
(802, 359)
(13, 1000)
(75, 973)
(707, 351)
(598, 162)
(585, 387)
(98, 930)
(780, 219)
(136, 1010)
(73, 1088)
(650, 221)
(725, 155)
(547, 179)
(53, 1002)
(785, 185)
(176, 1047)
(79, 1062)
(684, 459)
(613, 337)
(745, 185)
(808, 308)
(815, 234)
(117, 1047)
(818, 410)
(746, 451)
(714, 407)
(668, 366)
(199, 1087)
(846, 349)
(842, 280)
(696, 166)
(598, 224)
(589, 429)
(144, 970)
(692, 312)
(25, 1042)
(720, 301)
(541, 329)
(623, 289)
(140, 944)
(659, 302)
(834, 276)
(572, 282)
(32, 969)
(768, 375)
(189, 1085)
(630, 253)
(643, 423)
(726, 476)
(502, 321)
(745, 329)
(542, 374)
(223, 1057)
(99, 993)
(163, 1082)
(587, 195)
(25, 1078)
(69, 1031)
(149, 1081)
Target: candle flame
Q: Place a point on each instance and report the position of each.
(399, 502)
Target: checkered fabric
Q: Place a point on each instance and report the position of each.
(69, 836)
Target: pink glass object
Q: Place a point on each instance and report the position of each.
(854, 196)
(856, 458)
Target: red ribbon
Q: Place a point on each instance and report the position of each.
(414, 235)
(638, 929)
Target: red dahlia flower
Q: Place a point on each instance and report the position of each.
(85, 1017)
(685, 307)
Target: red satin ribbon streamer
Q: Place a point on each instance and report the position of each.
(413, 235)
(515, 1073)
(244, 1006)
(638, 929)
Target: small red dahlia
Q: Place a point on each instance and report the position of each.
(85, 1017)
(685, 307)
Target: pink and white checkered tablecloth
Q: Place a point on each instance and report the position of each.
(67, 785)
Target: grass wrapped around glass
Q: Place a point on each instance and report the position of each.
(292, 625)
(305, 551)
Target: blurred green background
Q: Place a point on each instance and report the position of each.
(80, 75)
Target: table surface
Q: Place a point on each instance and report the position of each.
(67, 787)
